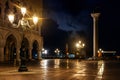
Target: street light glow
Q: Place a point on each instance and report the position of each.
(23, 10)
(23, 22)
(79, 49)
(79, 44)
(11, 18)
(100, 51)
(83, 44)
(35, 20)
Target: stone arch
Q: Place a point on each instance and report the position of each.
(24, 48)
(17, 37)
(10, 48)
(35, 49)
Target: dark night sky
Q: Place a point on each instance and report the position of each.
(74, 15)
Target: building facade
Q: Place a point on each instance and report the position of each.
(11, 38)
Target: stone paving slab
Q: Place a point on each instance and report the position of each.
(85, 70)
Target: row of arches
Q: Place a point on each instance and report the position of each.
(13, 47)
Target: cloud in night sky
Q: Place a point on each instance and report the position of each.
(68, 16)
(67, 22)
(75, 15)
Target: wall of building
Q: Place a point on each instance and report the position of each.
(12, 37)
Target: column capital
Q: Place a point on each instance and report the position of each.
(95, 15)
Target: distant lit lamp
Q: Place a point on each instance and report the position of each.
(100, 51)
(79, 45)
(57, 51)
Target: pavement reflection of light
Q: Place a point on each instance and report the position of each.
(78, 64)
(44, 63)
(101, 69)
(80, 72)
(67, 63)
(57, 63)
(82, 68)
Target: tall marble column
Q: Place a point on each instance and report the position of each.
(95, 33)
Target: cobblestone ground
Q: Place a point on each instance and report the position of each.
(63, 69)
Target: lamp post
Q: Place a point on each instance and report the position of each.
(57, 51)
(44, 53)
(24, 24)
(100, 51)
(79, 45)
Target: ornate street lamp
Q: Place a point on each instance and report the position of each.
(24, 24)
(79, 45)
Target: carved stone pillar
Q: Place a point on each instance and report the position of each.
(2, 44)
(3, 10)
(1, 54)
(18, 53)
(30, 53)
(39, 54)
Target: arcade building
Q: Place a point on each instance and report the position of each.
(12, 38)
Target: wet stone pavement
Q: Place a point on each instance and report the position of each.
(63, 69)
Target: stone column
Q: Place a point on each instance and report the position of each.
(39, 54)
(2, 45)
(1, 54)
(39, 30)
(95, 33)
(40, 47)
(18, 54)
(2, 10)
(30, 53)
